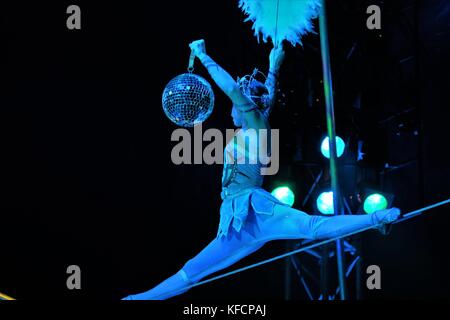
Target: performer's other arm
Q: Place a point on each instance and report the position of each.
(276, 58)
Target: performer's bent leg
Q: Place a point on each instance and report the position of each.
(289, 223)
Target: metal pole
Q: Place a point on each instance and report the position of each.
(358, 270)
(287, 274)
(328, 88)
(324, 285)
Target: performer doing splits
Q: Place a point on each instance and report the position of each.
(249, 215)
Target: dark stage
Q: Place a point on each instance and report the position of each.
(87, 177)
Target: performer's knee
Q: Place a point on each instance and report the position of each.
(186, 278)
(188, 273)
(293, 223)
(314, 225)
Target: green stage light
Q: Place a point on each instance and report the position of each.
(375, 202)
(284, 194)
(325, 147)
(325, 203)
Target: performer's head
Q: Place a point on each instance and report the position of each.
(256, 91)
(237, 117)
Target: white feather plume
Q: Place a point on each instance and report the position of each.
(294, 18)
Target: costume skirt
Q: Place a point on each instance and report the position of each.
(235, 208)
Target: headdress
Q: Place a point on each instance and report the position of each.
(249, 84)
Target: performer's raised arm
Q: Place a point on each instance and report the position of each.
(276, 58)
(221, 77)
(252, 100)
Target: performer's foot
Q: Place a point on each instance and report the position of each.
(174, 285)
(383, 218)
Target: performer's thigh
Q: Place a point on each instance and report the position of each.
(285, 223)
(221, 253)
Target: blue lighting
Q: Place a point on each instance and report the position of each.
(325, 203)
(285, 195)
(325, 148)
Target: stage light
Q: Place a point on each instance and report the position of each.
(325, 147)
(284, 194)
(375, 202)
(325, 203)
(372, 199)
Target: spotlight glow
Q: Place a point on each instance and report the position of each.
(284, 194)
(325, 147)
(325, 203)
(375, 202)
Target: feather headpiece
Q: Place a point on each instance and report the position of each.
(281, 19)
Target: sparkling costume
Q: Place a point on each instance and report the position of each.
(241, 188)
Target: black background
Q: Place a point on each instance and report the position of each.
(87, 177)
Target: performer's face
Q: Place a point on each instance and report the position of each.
(237, 117)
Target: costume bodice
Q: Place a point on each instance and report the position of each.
(242, 165)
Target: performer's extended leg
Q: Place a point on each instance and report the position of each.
(285, 223)
(289, 223)
(217, 255)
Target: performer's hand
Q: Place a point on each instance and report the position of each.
(198, 47)
(276, 58)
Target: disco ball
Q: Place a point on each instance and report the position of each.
(188, 99)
